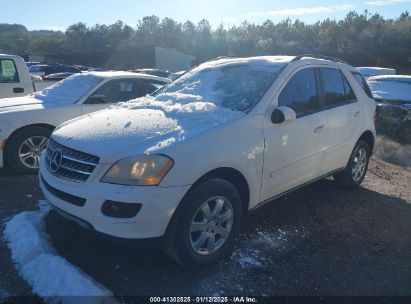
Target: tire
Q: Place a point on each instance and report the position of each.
(356, 169)
(24, 148)
(189, 249)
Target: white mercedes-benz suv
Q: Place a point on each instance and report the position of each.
(226, 137)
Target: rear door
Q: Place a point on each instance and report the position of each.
(344, 117)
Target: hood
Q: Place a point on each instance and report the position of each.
(142, 126)
(18, 102)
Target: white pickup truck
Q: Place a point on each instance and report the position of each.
(15, 79)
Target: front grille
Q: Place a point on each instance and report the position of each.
(75, 166)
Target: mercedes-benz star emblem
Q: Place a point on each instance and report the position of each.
(55, 160)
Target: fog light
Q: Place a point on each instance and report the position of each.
(120, 210)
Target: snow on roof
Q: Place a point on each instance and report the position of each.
(37, 261)
(258, 60)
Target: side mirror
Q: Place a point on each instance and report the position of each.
(282, 114)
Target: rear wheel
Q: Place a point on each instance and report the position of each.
(204, 226)
(24, 149)
(356, 169)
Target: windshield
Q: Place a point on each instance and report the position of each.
(237, 86)
(69, 90)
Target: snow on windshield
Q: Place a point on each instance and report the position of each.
(390, 90)
(234, 84)
(68, 90)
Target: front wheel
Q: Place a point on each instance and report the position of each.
(356, 169)
(24, 149)
(205, 224)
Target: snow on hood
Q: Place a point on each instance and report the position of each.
(68, 90)
(208, 96)
(390, 90)
(145, 126)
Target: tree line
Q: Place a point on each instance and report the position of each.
(359, 38)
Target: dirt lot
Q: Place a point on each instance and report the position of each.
(320, 240)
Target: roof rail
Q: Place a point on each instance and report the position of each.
(299, 57)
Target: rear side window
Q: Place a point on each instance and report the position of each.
(8, 71)
(337, 90)
(301, 94)
(361, 80)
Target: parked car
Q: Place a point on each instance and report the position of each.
(226, 137)
(58, 76)
(43, 70)
(375, 71)
(27, 122)
(30, 63)
(15, 79)
(155, 72)
(393, 97)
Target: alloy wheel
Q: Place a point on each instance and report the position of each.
(211, 225)
(359, 164)
(30, 151)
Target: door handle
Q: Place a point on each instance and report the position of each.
(319, 129)
(356, 114)
(18, 90)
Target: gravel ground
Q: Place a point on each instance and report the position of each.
(320, 240)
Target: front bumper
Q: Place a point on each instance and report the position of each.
(158, 205)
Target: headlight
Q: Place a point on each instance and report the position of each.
(141, 170)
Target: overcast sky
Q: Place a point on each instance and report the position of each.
(58, 15)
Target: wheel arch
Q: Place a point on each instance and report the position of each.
(17, 131)
(233, 176)
(368, 137)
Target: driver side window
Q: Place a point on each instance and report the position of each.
(301, 94)
(116, 91)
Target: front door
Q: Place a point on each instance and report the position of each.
(294, 150)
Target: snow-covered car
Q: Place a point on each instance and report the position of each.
(228, 136)
(393, 97)
(375, 71)
(27, 122)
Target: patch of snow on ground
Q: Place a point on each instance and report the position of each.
(49, 274)
(258, 250)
